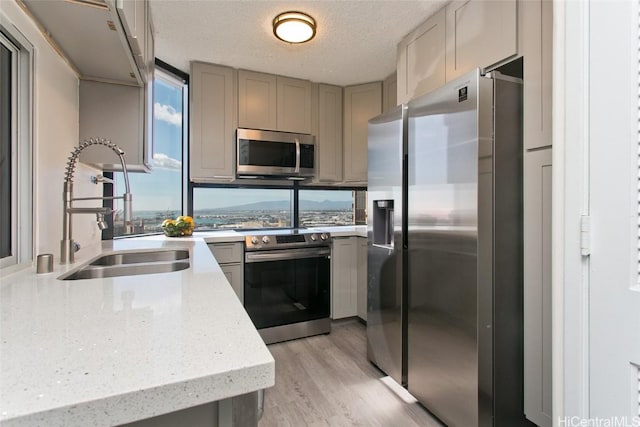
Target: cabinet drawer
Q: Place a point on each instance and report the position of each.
(227, 252)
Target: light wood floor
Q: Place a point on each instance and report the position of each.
(327, 381)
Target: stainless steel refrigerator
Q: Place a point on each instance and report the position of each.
(386, 232)
(445, 287)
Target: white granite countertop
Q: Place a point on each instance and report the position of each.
(344, 230)
(238, 236)
(235, 236)
(109, 351)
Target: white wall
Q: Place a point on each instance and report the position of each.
(55, 133)
(596, 294)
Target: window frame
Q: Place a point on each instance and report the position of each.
(165, 72)
(295, 187)
(22, 212)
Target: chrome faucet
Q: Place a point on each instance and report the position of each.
(66, 244)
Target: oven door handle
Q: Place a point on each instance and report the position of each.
(286, 254)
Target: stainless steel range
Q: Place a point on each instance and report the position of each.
(287, 282)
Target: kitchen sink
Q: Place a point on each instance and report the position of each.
(137, 257)
(131, 263)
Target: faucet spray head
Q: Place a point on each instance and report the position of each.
(102, 224)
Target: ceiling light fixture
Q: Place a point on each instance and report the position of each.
(294, 27)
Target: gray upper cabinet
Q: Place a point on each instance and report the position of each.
(213, 122)
(133, 15)
(266, 101)
(150, 46)
(464, 35)
(113, 37)
(535, 29)
(389, 92)
(294, 105)
(115, 62)
(479, 34)
(117, 113)
(421, 59)
(122, 113)
(361, 103)
(257, 100)
(329, 134)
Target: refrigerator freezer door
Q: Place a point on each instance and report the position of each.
(386, 327)
(449, 175)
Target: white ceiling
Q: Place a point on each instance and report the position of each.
(355, 42)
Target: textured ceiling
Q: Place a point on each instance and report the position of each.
(355, 41)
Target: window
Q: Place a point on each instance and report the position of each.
(326, 208)
(158, 195)
(231, 208)
(16, 196)
(220, 207)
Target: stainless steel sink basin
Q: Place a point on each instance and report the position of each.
(119, 258)
(131, 263)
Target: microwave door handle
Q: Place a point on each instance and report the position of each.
(297, 156)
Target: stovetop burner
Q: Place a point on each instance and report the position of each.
(256, 240)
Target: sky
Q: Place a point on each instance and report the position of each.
(161, 189)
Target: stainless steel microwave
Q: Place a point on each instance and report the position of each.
(279, 154)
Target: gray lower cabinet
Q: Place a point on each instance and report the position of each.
(362, 278)
(213, 122)
(238, 411)
(349, 277)
(344, 277)
(235, 276)
(537, 286)
(230, 257)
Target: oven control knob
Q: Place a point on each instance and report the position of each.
(254, 240)
(314, 237)
(266, 240)
(323, 236)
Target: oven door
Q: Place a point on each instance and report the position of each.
(282, 287)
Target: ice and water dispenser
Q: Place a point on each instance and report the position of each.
(383, 223)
